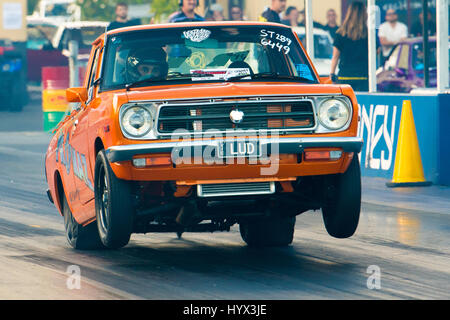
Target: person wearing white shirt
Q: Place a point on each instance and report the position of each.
(391, 33)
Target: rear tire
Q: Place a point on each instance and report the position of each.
(341, 214)
(268, 232)
(113, 205)
(79, 237)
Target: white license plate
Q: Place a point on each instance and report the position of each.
(239, 149)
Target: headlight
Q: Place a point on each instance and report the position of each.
(136, 120)
(334, 114)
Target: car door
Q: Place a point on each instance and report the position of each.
(83, 174)
(64, 163)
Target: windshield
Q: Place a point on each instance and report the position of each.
(203, 54)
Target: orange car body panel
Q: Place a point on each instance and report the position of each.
(73, 160)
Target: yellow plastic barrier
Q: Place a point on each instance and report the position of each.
(54, 100)
(54, 107)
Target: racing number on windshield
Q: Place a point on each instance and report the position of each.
(276, 41)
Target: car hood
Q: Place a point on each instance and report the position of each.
(223, 90)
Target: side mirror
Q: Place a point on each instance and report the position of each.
(77, 95)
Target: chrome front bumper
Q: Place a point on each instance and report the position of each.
(282, 145)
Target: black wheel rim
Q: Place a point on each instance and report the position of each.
(103, 199)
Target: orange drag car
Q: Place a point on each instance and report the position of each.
(197, 127)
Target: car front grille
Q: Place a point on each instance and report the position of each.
(270, 115)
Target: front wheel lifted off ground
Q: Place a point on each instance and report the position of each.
(341, 213)
(113, 205)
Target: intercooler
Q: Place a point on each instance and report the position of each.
(235, 189)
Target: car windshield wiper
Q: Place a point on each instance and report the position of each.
(172, 76)
(268, 75)
(272, 75)
(178, 75)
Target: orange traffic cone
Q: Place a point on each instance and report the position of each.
(408, 170)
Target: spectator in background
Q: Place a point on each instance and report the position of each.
(350, 49)
(417, 27)
(186, 13)
(209, 15)
(215, 13)
(236, 13)
(272, 14)
(302, 22)
(291, 17)
(331, 25)
(391, 33)
(121, 20)
(170, 17)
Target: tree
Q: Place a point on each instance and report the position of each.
(97, 9)
(163, 8)
(103, 9)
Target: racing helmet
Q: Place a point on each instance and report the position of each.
(143, 63)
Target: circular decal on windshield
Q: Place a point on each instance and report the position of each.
(197, 60)
(197, 35)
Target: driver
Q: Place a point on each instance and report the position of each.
(147, 63)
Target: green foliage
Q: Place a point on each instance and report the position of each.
(97, 9)
(103, 10)
(163, 8)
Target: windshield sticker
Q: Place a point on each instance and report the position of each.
(197, 35)
(275, 41)
(239, 72)
(197, 60)
(220, 74)
(304, 71)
